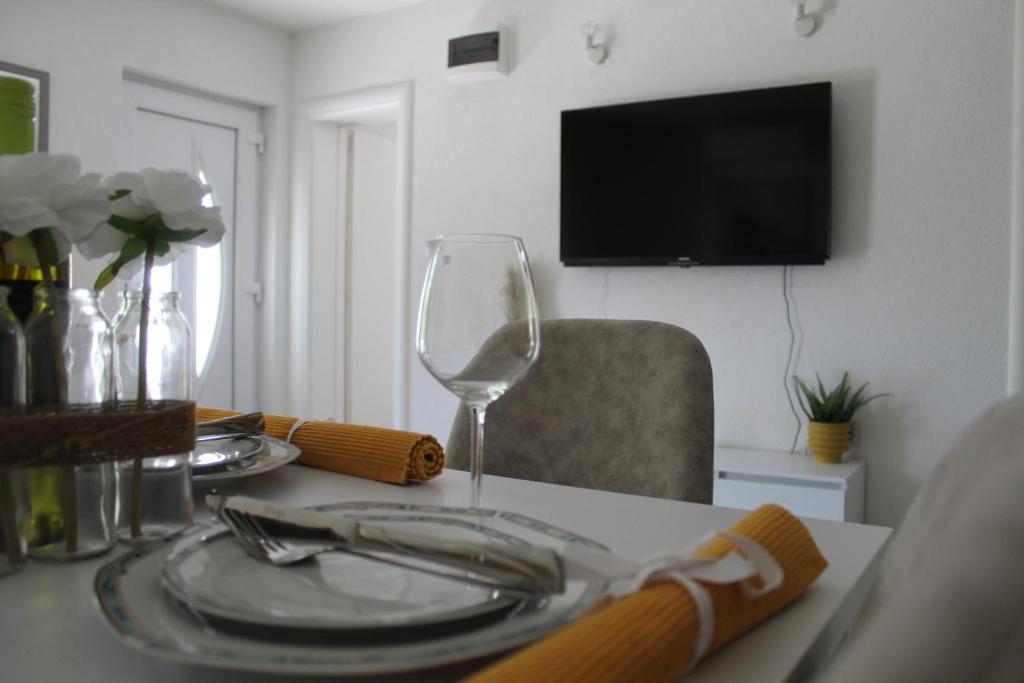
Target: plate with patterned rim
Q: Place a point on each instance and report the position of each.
(273, 454)
(131, 598)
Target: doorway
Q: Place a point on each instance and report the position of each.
(369, 166)
(218, 142)
(351, 232)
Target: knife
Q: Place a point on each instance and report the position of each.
(229, 427)
(529, 569)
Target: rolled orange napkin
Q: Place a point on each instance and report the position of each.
(388, 455)
(650, 635)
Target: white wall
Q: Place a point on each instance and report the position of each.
(915, 298)
(86, 45)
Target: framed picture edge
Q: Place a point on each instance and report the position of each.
(42, 102)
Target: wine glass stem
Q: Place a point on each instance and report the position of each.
(476, 452)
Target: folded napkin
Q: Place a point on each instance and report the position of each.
(651, 635)
(387, 455)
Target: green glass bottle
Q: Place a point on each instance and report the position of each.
(18, 136)
(45, 520)
(17, 116)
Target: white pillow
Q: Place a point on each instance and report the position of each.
(949, 601)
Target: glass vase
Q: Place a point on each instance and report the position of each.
(69, 364)
(154, 494)
(12, 400)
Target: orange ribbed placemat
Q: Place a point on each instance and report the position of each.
(388, 455)
(650, 635)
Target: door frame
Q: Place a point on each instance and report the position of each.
(217, 110)
(1015, 345)
(392, 103)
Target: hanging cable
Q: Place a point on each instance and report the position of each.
(787, 279)
(798, 326)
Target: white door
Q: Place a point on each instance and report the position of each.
(213, 140)
(371, 267)
(353, 273)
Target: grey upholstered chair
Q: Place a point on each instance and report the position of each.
(949, 601)
(616, 405)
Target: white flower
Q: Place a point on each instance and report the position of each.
(43, 190)
(179, 199)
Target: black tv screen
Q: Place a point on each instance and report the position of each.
(741, 178)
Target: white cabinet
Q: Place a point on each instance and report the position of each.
(746, 479)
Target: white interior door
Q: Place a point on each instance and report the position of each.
(353, 273)
(213, 140)
(371, 267)
(327, 257)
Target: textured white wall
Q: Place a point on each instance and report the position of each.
(915, 298)
(86, 45)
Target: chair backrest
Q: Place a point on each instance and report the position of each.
(616, 405)
(948, 604)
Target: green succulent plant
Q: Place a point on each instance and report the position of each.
(838, 405)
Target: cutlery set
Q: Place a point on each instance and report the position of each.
(284, 536)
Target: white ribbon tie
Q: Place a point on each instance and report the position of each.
(686, 570)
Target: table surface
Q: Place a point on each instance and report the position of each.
(50, 629)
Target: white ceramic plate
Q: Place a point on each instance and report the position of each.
(273, 454)
(131, 598)
(333, 592)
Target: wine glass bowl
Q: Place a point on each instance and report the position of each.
(478, 330)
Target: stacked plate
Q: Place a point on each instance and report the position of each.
(202, 599)
(225, 460)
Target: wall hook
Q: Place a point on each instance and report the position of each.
(804, 24)
(596, 52)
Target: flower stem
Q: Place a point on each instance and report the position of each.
(66, 488)
(140, 400)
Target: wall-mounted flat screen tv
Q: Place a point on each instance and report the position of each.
(740, 178)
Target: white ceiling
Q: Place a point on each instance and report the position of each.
(296, 15)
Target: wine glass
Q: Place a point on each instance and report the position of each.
(478, 330)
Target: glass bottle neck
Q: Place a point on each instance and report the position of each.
(17, 116)
(47, 300)
(132, 299)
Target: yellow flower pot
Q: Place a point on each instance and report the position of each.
(828, 440)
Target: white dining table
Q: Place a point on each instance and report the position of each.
(51, 629)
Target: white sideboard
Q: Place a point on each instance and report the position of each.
(746, 479)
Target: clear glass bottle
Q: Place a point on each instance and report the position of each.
(12, 400)
(69, 363)
(154, 494)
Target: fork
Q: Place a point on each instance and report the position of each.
(264, 546)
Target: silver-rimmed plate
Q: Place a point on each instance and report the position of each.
(235, 453)
(131, 598)
(273, 453)
(335, 592)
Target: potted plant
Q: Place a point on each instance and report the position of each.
(829, 414)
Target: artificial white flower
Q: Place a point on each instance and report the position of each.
(175, 195)
(43, 190)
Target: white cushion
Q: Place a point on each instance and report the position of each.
(949, 601)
